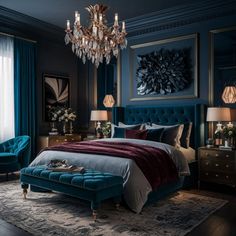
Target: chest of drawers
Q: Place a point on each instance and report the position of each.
(50, 140)
(218, 166)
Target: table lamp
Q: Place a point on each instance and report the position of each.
(218, 114)
(98, 116)
(108, 101)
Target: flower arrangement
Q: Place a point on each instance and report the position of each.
(106, 129)
(229, 132)
(62, 114)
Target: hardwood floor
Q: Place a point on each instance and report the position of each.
(221, 223)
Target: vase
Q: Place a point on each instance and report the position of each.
(64, 128)
(71, 128)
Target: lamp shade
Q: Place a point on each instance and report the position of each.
(98, 115)
(229, 94)
(218, 114)
(108, 101)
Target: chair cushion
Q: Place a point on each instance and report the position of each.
(91, 179)
(7, 157)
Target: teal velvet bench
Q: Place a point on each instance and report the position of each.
(93, 186)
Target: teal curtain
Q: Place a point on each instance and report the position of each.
(25, 90)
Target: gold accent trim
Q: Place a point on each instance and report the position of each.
(13, 36)
(211, 61)
(162, 41)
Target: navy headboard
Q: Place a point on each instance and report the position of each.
(164, 115)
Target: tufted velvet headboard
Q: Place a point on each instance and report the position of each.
(164, 115)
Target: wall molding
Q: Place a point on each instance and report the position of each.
(179, 16)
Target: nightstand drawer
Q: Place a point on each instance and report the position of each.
(217, 154)
(218, 177)
(215, 164)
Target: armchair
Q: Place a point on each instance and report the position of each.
(14, 154)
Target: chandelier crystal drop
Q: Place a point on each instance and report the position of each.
(97, 41)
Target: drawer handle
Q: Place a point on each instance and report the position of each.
(227, 155)
(65, 139)
(217, 175)
(227, 166)
(206, 173)
(216, 154)
(216, 164)
(57, 140)
(207, 154)
(226, 176)
(207, 163)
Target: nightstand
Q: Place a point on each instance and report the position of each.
(217, 166)
(50, 140)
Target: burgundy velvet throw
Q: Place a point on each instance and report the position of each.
(156, 164)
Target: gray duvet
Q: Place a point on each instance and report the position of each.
(136, 186)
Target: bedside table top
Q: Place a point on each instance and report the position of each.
(215, 149)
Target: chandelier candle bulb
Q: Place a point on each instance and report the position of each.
(116, 20)
(123, 26)
(100, 18)
(68, 25)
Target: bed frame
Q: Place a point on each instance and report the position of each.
(167, 115)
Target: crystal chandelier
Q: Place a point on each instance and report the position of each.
(98, 40)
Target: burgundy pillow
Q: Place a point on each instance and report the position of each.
(136, 134)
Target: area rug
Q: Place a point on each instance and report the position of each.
(56, 214)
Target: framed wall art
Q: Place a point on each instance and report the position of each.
(164, 69)
(56, 93)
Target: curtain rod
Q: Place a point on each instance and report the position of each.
(13, 36)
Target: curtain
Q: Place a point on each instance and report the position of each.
(25, 91)
(7, 126)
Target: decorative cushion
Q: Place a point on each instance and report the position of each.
(154, 134)
(171, 133)
(136, 134)
(185, 138)
(121, 125)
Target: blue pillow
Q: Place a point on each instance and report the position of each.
(119, 132)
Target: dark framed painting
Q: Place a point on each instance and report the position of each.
(56, 93)
(164, 69)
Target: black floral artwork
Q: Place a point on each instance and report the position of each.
(164, 72)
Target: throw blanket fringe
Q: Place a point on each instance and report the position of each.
(155, 163)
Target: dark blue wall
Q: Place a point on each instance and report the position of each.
(196, 18)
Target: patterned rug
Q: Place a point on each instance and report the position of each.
(55, 214)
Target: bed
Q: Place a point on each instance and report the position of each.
(137, 190)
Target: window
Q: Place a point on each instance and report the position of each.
(7, 126)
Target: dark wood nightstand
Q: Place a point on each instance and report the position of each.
(217, 166)
(50, 140)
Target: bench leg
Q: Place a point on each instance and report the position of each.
(117, 201)
(94, 207)
(25, 187)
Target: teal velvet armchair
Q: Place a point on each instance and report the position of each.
(14, 154)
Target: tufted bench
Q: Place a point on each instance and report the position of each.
(93, 186)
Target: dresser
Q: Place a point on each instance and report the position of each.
(50, 140)
(217, 166)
